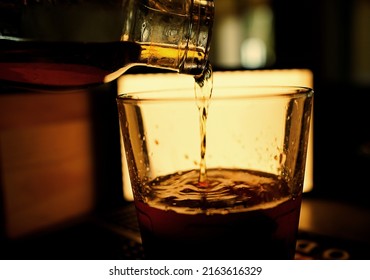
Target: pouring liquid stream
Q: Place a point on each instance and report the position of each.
(203, 88)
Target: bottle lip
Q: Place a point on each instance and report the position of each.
(199, 39)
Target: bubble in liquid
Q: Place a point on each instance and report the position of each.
(145, 32)
(282, 158)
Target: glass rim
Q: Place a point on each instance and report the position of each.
(225, 92)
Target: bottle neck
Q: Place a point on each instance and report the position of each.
(101, 39)
(200, 34)
(173, 35)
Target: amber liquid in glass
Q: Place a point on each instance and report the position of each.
(241, 214)
(217, 213)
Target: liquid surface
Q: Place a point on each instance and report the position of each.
(240, 215)
(227, 191)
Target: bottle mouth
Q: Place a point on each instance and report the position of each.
(200, 34)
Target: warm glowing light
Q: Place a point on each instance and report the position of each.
(253, 53)
(293, 77)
